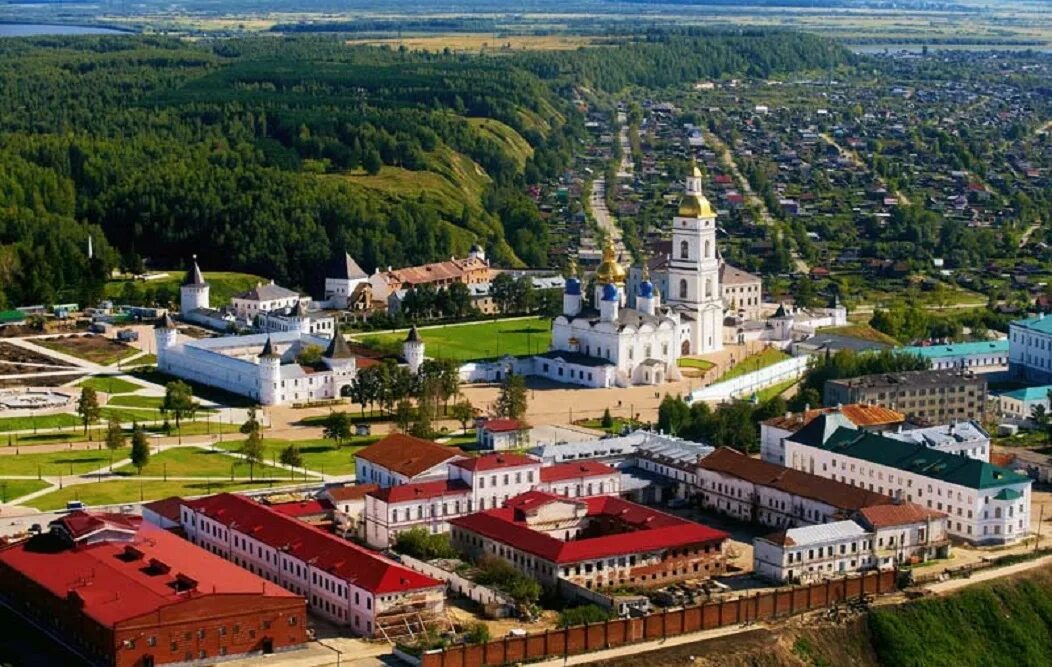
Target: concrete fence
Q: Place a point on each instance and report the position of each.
(743, 386)
(769, 605)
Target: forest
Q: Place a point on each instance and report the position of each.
(270, 155)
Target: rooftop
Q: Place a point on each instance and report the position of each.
(350, 492)
(406, 455)
(1030, 393)
(564, 471)
(421, 491)
(645, 529)
(903, 514)
(1039, 324)
(366, 569)
(504, 425)
(117, 581)
(910, 378)
(959, 349)
(921, 460)
(943, 434)
(495, 462)
(267, 292)
(859, 414)
(842, 496)
(822, 533)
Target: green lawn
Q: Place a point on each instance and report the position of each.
(136, 401)
(109, 384)
(318, 455)
(41, 422)
(16, 488)
(98, 433)
(768, 393)
(131, 415)
(131, 490)
(144, 360)
(479, 340)
(223, 284)
(55, 464)
(98, 350)
(699, 364)
(196, 462)
(755, 362)
(462, 439)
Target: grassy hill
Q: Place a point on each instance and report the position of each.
(224, 284)
(515, 146)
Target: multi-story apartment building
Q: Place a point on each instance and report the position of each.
(756, 491)
(926, 397)
(594, 543)
(774, 430)
(1030, 349)
(403, 459)
(344, 583)
(477, 484)
(880, 537)
(984, 503)
(117, 591)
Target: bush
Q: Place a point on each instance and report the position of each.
(503, 576)
(419, 543)
(587, 613)
(478, 633)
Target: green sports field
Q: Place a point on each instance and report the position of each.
(471, 342)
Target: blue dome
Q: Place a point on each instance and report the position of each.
(646, 289)
(610, 293)
(573, 287)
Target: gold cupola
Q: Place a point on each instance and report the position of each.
(694, 204)
(609, 271)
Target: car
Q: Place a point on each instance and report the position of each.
(74, 505)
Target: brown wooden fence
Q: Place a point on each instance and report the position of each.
(669, 623)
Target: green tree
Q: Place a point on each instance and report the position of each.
(404, 415)
(337, 427)
(607, 421)
(179, 402)
(673, 414)
(252, 451)
(140, 448)
(291, 457)
(478, 633)
(310, 355)
(88, 407)
(511, 402)
(463, 412)
(114, 438)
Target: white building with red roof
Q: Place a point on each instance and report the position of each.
(594, 543)
(503, 434)
(344, 583)
(403, 459)
(475, 484)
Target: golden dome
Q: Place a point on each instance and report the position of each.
(609, 270)
(695, 206)
(695, 169)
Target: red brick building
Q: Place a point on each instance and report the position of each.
(117, 591)
(594, 542)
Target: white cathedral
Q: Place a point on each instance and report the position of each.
(606, 343)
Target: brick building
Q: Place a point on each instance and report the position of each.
(117, 591)
(594, 543)
(344, 583)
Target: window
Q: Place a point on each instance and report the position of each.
(684, 250)
(708, 248)
(683, 288)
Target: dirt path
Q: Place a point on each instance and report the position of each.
(950, 585)
(858, 162)
(1028, 233)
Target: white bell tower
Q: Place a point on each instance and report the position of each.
(694, 267)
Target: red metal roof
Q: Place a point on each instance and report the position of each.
(116, 584)
(503, 425)
(645, 530)
(80, 524)
(407, 455)
(298, 508)
(422, 491)
(366, 569)
(166, 507)
(352, 492)
(577, 470)
(884, 516)
(495, 461)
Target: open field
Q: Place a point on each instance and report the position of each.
(96, 349)
(517, 147)
(13, 353)
(318, 455)
(40, 422)
(755, 362)
(195, 462)
(134, 401)
(697, 364)
(480, 340)
(54, 464)
(487, 42)
(16, 488)
(109, 385)
(224, 284)
(129, 491)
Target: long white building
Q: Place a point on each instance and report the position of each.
(985, 504)
(263, 367)
(1030, 349)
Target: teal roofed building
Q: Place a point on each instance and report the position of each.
(987, 355)
(1019, 404)
(985, 503)
(1030, 349)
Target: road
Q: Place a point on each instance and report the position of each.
(853, 156)
(603, 219)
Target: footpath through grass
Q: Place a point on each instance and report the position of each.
(109, 384)
(11, 489)
(754, 362)
(474, 341)
(133, 490)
